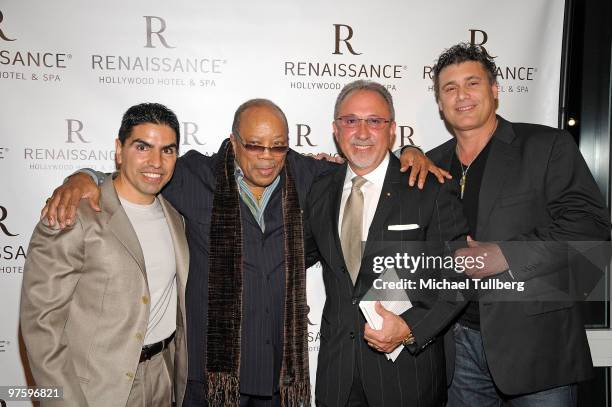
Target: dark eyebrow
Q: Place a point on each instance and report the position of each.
(141, 141)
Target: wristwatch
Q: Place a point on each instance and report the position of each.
(409, 340)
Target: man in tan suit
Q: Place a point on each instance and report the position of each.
(103, 302)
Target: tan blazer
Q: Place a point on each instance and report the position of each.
(85, 304)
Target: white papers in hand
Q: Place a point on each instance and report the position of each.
(396, 301)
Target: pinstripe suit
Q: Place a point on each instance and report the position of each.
(417, 377)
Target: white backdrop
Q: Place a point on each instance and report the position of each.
(69, 69)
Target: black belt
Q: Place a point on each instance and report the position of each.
(149, 351)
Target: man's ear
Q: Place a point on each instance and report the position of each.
(335, 131)
(495, 90)
(392, 134)
(118, 150)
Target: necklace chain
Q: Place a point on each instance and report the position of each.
(464, 172)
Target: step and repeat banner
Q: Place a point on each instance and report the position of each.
(69, 69)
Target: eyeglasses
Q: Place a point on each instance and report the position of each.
(350, 122)
(257, 149)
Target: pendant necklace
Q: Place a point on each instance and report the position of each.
(463, 177)
(465, 170)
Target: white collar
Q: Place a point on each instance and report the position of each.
(376, 176)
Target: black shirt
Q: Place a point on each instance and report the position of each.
(471, 194)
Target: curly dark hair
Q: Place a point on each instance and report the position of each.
(463, 52)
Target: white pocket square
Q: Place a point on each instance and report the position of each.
(410, 226)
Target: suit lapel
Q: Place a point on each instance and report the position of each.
(502, 161)
(335, 200)
(445, 160)
(120, 224)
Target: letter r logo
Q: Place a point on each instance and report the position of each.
(150, 32)
(2, 35)
(345, 40)
(3, 215)
(481, 44)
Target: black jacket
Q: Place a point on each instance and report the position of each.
(191, 192)
(418, 376)
(536, 194)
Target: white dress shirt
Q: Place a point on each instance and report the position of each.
(371, 193)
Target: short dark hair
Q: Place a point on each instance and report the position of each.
(363, 84)
(143, 113)
(257, 103)
(463, 52)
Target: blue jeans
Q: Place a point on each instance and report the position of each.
(473, 386)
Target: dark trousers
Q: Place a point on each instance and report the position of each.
(357, 396)
(473, 385)
(195, 397)
(247, 400)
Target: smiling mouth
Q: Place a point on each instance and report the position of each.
(466, 108)
(362, 147)
(152, 175)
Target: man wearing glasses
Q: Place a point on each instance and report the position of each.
(365, 204)
(246, 297)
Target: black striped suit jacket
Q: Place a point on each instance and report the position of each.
(417, 377)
